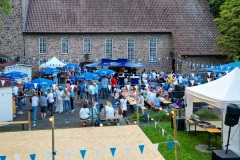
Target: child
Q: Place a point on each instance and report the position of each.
(115, 97)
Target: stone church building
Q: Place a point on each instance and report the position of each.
(164, 35)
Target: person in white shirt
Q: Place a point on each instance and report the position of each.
(152, 96)
(66, 100)
(91, 91)
(123, 103)
(109, 110)
(59, 107)
(50, 101)
(84, 112)
(35, 101)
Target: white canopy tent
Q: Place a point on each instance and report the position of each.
(219, 93)
(53, 63)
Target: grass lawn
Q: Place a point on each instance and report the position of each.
(187, 142)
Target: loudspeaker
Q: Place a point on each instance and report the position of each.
(180, 121)
(232, 115)
(178, 94)
(221, 155)
(178, 88)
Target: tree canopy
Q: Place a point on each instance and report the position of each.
(215, 7)
(5, 8)
(229, 26)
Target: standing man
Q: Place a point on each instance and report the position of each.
(91, 92)
(104, 82)
(50, 101)
(96, 92)
(71, 99)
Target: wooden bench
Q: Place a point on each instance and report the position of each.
(16, 122)
(210, 108)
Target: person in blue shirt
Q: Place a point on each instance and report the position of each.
(157, 100)
(104, 82)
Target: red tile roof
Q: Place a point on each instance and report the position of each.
(190, 22)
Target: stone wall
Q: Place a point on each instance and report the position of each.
(11, 38)
(53, 41)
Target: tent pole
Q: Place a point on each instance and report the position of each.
(222, 127)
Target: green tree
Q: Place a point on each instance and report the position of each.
(5, 8)
(215, 7)
(229, 26)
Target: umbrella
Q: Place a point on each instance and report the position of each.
(39, 82)
(133, 65)
(92, 65)
(87, 76)
(50, 71)
(71, 66)
(105, 71)
(14, 75)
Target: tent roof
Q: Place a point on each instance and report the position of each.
(54, 62)
(219, 92)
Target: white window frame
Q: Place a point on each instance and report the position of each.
(41, 44)
(62, 45)
(131, 56)
(201, 66)
(192, 67)
(150, 58)
(106, 46)
(84, 45)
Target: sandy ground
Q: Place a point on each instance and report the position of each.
(90, 138)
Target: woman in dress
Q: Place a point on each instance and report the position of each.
(118, 114)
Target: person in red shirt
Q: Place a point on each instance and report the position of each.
(114, 83)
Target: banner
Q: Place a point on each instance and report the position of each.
(113, 150)
(127, 150)
(141, 148)
(98, 151)
(170, 145)
(35, 85)
(3, 82)
(32, 156)
(16, 157)
(83, 153)
(155, 146)
(68, 153)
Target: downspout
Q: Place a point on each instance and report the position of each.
(24, 28)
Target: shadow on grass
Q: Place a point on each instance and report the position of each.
(187, 142)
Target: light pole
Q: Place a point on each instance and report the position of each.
(53, 150)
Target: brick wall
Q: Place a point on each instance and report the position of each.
(164, 47)
(11, 38)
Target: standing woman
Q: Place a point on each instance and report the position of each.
(43, 104)
(59, 107)
(66, 100)
(35, 101)
(118, 114)
(68, 82)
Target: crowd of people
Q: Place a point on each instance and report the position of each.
(154, 87)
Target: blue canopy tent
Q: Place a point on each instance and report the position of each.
(40, 82)
(92, 65)
(133, 65)
(87, 76)
(14, 75)
(223, 68)
(72, 66)
(104, 71)
(50, 71)
(115, 63)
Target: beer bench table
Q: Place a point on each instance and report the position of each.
(15, 122)
(212, 132)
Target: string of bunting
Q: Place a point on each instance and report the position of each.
(143, 60)
(82, 152)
